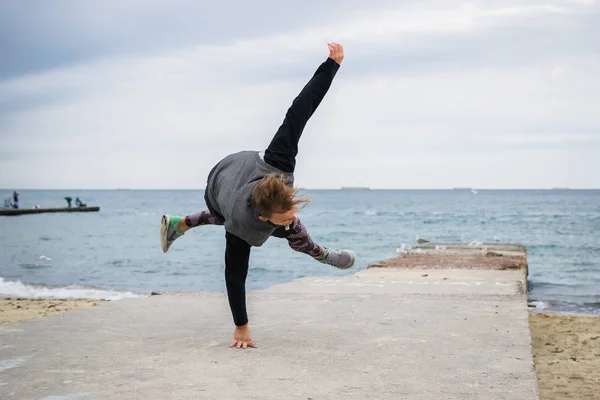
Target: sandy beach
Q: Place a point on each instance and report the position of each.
(566, 352)
(20, 309)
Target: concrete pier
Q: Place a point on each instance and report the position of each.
(415, 327)
(24, 211)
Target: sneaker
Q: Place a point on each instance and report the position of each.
(169, 231)
(342, 259)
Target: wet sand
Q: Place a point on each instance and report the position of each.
(566, 352)
(20, 309)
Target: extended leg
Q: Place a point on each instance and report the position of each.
(283, 149)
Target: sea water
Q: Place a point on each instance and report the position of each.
(116, 252)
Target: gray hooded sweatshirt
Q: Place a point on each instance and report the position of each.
(229, 195)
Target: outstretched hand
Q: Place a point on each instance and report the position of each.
(242, 338)
(336, 52)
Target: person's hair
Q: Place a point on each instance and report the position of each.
(272, 195)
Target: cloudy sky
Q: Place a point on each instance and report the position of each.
(431, 94)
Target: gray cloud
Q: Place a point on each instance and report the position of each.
(500, 94)
(47, 34)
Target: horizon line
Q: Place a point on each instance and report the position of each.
(343, 188)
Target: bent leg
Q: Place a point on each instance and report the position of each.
(299, 239)
(173, 227)
(283, 149)
(202, 218)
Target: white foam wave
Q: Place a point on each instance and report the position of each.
(540, 305)
(19, 289)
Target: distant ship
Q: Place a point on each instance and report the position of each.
(355, 188)
(560, 188)
(462, 188)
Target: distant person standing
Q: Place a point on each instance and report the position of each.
(15, 199)
(68, 199)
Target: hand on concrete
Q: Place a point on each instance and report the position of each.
(242, 338)
(336, 52)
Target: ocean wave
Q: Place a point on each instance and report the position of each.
(260, 271)
(566, 307)
(540, 305)
(34, 266)
(403, 213)
(535, 284)
(177, 273)
(375, 213)
(19, 289)
(147, 214)
(546, 246)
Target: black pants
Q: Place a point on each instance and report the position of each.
(281, 154)
(283, 149)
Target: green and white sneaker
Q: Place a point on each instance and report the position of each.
(342, 259)
(169, 231)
